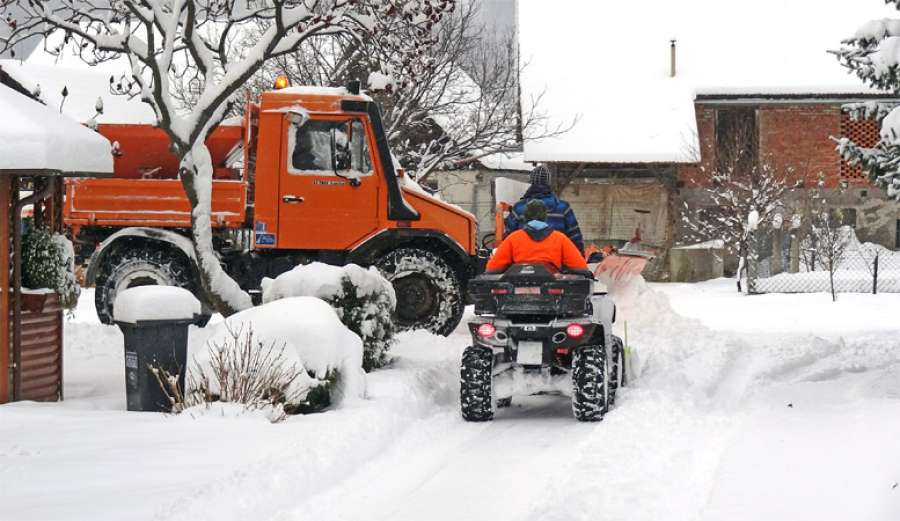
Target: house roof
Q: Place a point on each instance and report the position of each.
(38, 139)
(609, 64)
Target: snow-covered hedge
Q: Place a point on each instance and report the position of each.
(293, 354)
(362, 298)
(48, 261)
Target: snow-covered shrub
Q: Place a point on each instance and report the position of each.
(258, 375)
(48, 261)
(362, 298)
(293, 355)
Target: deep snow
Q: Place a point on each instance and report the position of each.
(742, 414)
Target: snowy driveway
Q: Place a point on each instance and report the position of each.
(719, 425)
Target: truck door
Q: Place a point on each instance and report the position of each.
(329, 194)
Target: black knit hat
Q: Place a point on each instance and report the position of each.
(540, 176)
(535, 210)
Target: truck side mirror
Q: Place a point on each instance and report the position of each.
(296, 117)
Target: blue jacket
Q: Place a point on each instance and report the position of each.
(559, 214)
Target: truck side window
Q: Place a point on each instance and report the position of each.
(321, 147)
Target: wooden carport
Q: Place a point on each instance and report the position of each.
(38, 147)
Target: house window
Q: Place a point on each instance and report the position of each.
(737, 140)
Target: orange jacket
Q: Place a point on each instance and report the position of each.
(555, 248)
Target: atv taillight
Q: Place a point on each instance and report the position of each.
(555, 291)
(486, 330)
(574, 330)
(499, 291)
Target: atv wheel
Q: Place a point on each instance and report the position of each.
(428, 292)
(475, 384)
(589, 393)
(145, 266)
(616, 369)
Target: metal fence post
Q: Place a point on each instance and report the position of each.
(752, 263)
(875, 275)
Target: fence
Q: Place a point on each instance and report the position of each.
(783, 262)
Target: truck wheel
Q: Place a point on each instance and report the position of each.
(143, 266)
(588, 383)
(475, 384)
(429, 295)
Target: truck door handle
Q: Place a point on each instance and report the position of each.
(292, 198)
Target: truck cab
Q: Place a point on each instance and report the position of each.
(318, 183)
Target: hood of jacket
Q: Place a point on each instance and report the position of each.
(538, 230)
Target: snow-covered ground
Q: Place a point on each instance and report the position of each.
(778, 407)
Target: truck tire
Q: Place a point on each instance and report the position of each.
(145, 265)
(475, 401)
(589, 392)
(429, 295)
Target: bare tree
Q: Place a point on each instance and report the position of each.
(161, 39)
(740, 185)
(444, 106)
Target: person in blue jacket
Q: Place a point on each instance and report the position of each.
(559, 214)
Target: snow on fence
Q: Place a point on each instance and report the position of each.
(786, 263)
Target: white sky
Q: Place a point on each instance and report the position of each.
(609, 63)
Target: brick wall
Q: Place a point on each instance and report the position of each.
(791, 136)
(798, 138)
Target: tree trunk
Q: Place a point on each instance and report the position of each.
(221, 291)
(831, 281)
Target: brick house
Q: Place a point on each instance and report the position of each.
(654, 106)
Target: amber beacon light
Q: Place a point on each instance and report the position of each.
(281, 82)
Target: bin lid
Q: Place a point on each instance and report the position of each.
(155, 303)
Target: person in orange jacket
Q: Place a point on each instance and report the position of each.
(536, 242)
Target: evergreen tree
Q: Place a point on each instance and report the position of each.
(873, 54)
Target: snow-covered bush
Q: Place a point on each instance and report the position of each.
(48, 261)
(362, 298)
(293, 356)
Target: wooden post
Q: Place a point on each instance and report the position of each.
(5, 214)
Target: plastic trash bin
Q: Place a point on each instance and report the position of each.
(154, 321)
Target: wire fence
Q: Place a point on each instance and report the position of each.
(785, 262)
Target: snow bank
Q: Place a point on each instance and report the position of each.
(155, 303)
(313, 337)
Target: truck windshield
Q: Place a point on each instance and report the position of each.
(321, 147)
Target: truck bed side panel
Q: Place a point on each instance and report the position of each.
(148, 202)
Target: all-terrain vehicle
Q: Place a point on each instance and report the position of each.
(539, 330)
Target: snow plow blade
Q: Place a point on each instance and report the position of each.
(622, 266)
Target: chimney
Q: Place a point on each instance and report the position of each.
(672, 64)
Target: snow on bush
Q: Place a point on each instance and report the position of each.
(48, 261)
(293, 354)
(362, 298)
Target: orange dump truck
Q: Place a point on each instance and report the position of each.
(306, 176)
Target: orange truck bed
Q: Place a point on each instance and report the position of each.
(148, 202)
(145, 190)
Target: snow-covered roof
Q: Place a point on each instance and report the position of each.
(609, 63)
(36, 137)
(84, 85)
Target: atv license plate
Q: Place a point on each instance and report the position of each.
(530, 353)
(528, 291)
